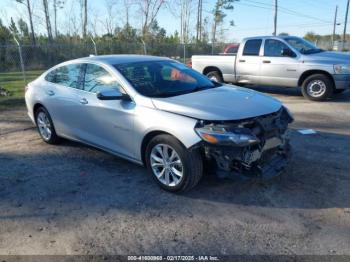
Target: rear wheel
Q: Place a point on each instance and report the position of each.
(45, 126)
(215, 76)
(317, 87)
(174, 167)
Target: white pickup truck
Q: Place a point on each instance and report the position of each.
(280, 61)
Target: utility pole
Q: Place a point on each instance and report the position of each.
(346, 21)
(275, 19)
(334, 25)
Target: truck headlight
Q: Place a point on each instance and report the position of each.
(341, 68)
(238, 136)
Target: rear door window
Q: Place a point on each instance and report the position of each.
(252, 47)
(69, 75)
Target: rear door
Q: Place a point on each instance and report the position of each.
(248, 62)
(277, 69)
(61, 98)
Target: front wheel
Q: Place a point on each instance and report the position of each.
(215, 76)
(174, 167)
(317, 87)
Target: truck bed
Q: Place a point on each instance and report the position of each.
(226, 64)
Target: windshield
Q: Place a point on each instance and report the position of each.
(302, 45)
(163, 78)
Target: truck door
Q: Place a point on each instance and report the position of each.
(248, 62)
(279, 65)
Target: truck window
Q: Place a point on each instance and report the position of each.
(252, 47)
(274, 47)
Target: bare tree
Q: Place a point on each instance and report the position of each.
(84, 10)
(110, 22)
(199, 20)
(47, 19)
(149, 10)
(57, 4)
(184, 14)
(127, 6)
(219, 15)
(30, 16)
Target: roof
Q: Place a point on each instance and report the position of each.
(269, 36)
(121, 59)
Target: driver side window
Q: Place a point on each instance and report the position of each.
(98, 79)
(274, 48)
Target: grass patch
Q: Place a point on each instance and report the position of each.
(13, 82)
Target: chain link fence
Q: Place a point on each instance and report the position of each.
(24, 58)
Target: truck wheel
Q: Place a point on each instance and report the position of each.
(174, 167)
(339, 91)
(215, 76)
(317, 87)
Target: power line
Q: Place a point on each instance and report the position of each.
(262, 5)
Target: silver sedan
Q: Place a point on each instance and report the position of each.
(159, 113)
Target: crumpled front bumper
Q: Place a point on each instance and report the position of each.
(263, 164)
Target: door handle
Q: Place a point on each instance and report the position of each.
(266, 61)
(241, 61)
(83, 101)
(50, 92)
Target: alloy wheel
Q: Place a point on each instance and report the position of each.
(166, 165)
(44, 125)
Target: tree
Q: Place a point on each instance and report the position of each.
(84, 8)
(23, 28)
(283, 34)
(184, 13)
(199, 20)
(311, 36)
(149, 10)
(110, 22)
(30, 16)
(13, 28)
(47, 20)
(57, 4)
(219, 15)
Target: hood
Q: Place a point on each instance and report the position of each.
(221, 103)
(332, 57)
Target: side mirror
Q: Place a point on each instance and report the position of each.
(287, 52)
(112, 94)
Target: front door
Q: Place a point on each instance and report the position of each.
(276, 68)
(107, 124)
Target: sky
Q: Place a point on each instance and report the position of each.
(251, 17)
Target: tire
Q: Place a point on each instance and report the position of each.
(339, 91)
(317, 87)
(190, 159)
(44, 123)
(215, 76)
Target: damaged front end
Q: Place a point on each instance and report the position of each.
(257, 147)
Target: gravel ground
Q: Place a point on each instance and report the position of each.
(73, 199)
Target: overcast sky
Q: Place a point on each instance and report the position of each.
(251, 17)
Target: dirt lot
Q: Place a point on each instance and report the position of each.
(72, 199)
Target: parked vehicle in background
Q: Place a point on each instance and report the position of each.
(159, 113)
(280, 61)
(231, 49)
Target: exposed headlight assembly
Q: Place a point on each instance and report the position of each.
(219, 135)
(342, 68)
